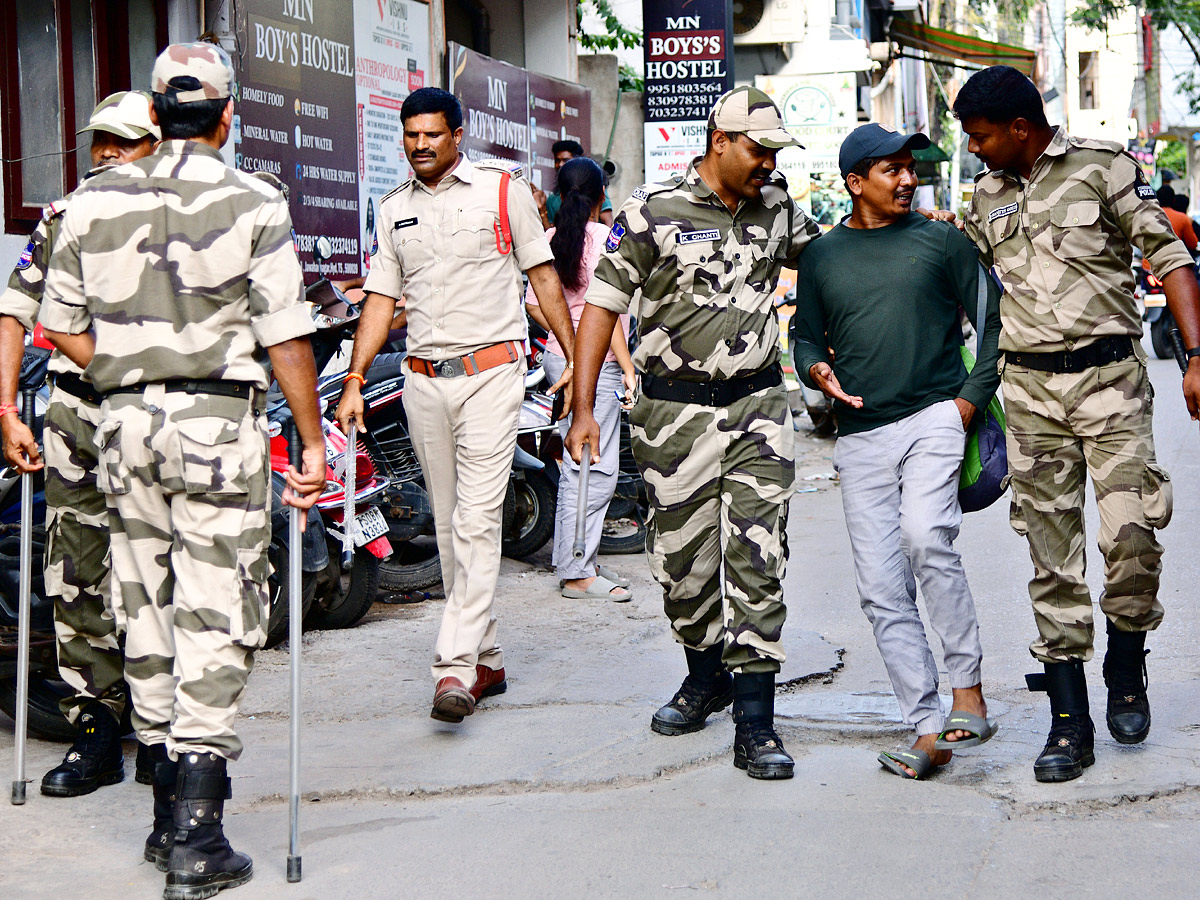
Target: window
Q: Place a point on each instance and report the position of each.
(57, 58)
(1089, 65)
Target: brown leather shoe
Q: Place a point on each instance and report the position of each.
(488, 682)
(452, 702)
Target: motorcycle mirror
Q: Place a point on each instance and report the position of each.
(323, 251)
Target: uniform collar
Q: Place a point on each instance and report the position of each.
(696, 184)
(1060, 142)
(464, 172)
(184, 147)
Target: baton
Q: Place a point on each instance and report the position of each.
(350, 462)
(295, 615)
(23, 611)
(581, 502)
(1177, 348)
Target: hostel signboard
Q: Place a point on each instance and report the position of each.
(689, 64)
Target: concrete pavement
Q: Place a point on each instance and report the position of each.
(558, 788)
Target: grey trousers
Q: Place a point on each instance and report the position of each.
(602, 480)
(900, 496)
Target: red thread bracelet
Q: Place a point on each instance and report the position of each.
(6, 408)
(349, 376)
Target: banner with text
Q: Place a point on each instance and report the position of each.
(391, 45)
(510, 113)
(689, 63)
(295, 107)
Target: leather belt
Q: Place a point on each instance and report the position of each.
(471, 364)
(241, 389)
(1100, 353)
(77, 387)
(710, 393)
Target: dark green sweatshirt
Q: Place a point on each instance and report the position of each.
(886, 301)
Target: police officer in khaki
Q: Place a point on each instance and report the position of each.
(1056, 215)
(90, 660)
(452, 240)
(173, 281)
(712, 431)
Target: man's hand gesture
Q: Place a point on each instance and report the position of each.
(822, 374)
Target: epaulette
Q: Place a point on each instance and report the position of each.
(514, 169)
(396, 190)
(55, 209)
(646, 190)
(1097, 144)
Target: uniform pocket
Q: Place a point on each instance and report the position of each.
(212, 456)
(248, 603)
(112, 474)
(1158, 500)
(1016, 518)
(1077, 230)
(473, 233)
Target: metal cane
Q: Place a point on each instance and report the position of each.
(349, 488)
(295, 615)
(581, 502)
(23, 611)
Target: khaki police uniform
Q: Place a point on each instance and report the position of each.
(1076, 392)
(719, 469)
(76, 554)
(185, 271)
(442, 248)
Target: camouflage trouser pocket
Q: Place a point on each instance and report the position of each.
(1016, 518)
(112, 474)
(248, 606)
(1157, 496)
(212, 456)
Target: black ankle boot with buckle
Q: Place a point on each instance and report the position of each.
(1125, 676)
(1070, 745)
(756, 746)
(165, 776)
(201, 861)
(94, 760)
(707, 688)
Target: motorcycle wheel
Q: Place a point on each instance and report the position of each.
(622, 536)
(343, 598)
(46, 720)
(1160, 338)
(533, 521)
(277, 592)
(413, 566)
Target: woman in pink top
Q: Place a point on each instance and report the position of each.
(577, 241)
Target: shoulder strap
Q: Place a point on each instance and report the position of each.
(981, 296)
(503, 231)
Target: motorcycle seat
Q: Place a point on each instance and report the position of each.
(385, 367)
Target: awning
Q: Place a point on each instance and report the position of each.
(963, 47)
(931, 154)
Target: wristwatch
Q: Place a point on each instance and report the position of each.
(1193, 353)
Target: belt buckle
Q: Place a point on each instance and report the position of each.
(714, 395)
(451, 368)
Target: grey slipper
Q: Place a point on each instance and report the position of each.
(600, 589)
(917, 760)
(981, 730)
(618, 580)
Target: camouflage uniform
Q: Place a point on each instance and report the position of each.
(719, 477)
(182, 440)
(76, 557)
(1061, 245)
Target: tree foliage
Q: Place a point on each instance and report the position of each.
(614, 37)
(1183, 15)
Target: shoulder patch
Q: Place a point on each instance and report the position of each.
(514, 169)
(1146, 192)
(55, 209)
(614, 238)
(641, 194)
(26, 258)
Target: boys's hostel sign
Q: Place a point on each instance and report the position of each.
(689, 64)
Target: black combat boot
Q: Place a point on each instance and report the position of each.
(1069, 747)
(202, 862)
(143, 770)
(707, 688)
(756, 746)
(1125, 676)
(165, 776)
(94, 760)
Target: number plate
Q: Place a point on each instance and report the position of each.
(368, 525)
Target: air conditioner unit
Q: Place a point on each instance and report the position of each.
(769, 21)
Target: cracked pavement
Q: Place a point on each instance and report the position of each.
(558, 787)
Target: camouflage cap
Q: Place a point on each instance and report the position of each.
(125, 114)
(199, 71)
(749, 111)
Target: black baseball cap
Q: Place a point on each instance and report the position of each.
(874, 140)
